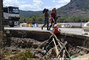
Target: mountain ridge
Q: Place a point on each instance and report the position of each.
(29, 13)
(77, 8)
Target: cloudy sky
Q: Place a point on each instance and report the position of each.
(35, 5)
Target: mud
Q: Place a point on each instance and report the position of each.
(16, 45)
(35, 42)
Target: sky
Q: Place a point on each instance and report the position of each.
(35, 5)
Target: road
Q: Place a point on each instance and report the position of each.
(77, 31)
(74, 31)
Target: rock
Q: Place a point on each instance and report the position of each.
(43, 52)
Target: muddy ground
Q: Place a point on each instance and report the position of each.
(16, 45)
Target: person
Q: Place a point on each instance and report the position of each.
(56, 31)
(24, 21)
(53, 16)
(34, 21)
(46, 19)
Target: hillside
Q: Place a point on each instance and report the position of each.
(75, 8)
(29, 13)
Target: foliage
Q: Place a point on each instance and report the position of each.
(31, 19)
(72, 19)
(74, 11)
(75, 8)
(30, 13)
(2, 38)
(40, 19)
(23, 56)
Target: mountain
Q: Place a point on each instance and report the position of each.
(78, 8)
(75, 8)
(29, 13)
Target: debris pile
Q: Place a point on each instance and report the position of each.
(45, 50)
(55, 48)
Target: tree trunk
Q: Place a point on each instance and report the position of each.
(1, 19)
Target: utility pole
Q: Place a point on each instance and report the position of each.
(1, 20)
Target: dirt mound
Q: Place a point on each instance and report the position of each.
(15, 45)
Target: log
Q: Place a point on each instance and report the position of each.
(62, 48)
(60, 44)
(57, 52)
(58, 41)
(63, 53)
(83, 48)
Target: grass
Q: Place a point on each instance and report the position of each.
(1, 31)
(23, 56)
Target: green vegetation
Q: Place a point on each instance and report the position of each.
(30, 13)
(74, 11)
(1, 38)
(75, 8)
(39, 19)
(32, 19)
(6, 54)
(23, 56)
(1, 35)
(72, 19)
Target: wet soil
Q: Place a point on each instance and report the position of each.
(14, 45)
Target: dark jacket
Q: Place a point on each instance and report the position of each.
(46, 15)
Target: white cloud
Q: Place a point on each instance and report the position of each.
(35, 5)
(48, 7)
(11, 2)
(63, 1)
(53, 1)
(23, 6)
(60, 3)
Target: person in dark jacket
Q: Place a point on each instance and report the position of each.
(46, 18)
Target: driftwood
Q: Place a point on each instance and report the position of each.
(63, 54)
(61, 50)
(57, 52)
(83, 48)
(61, 45)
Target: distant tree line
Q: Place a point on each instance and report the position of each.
(32, 19)
(40, 19)
(72, 19)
